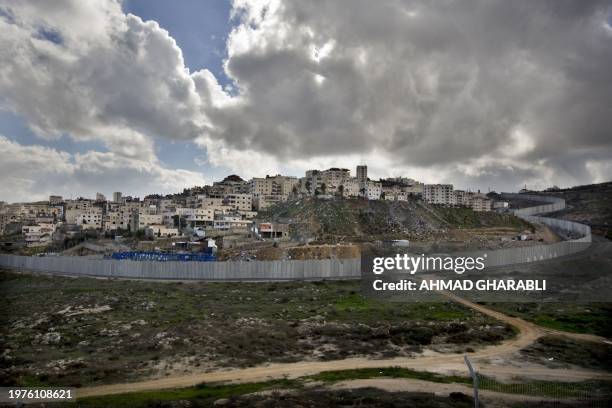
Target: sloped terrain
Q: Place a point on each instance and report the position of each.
(362, 220)
(590, 204)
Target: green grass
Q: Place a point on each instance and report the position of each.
(354, 305)
(576, 323)
(388, 372)
(203, 394)
(468, 218)
(590, 318)
(536, 388)
(206, 394)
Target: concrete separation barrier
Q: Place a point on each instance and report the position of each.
(295, 269)
(553, 204)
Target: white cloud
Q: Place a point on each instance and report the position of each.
(35, 172)
(490, 93)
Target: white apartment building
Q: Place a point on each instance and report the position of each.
(351, 188)
(441, 194)
(373, 190)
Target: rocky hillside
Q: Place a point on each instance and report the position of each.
(362, 220)
(589, 204)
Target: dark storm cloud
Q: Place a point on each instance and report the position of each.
(428, 82)
(471, 92)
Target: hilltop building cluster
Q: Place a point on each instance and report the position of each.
(230, 204)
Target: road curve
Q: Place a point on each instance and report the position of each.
(438, 362)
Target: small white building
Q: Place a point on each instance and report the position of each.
(161, 231)
(37, 235)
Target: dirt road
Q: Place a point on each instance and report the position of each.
(491, 398)
(434, 362)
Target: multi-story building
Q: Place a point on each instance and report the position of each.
(230, 185)
(373, 190)
(440, 194)
(351, 188)
(393, 193)
(40, 234)
(145, 219)
(265, 186)
(55, 200)
(462, 198)
(226, 222)
(333, 178)
(74, 208)
(90, 219)
(121, 218)
(362, 173)
(480, 203)
(243, 202)
(262, 202)
(206, 201)
(117, 196)
(273, 185)
(475, 201)
(200, 217)
(312, 183)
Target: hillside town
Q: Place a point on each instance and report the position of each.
(232, 204)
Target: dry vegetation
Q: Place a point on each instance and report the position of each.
(81, 331)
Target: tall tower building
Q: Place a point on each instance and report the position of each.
(362, 173)
(117, 196)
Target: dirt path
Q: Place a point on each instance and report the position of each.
(435, 362)
(412, 385)
(529, 332)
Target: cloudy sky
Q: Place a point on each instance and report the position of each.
(146, 96)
